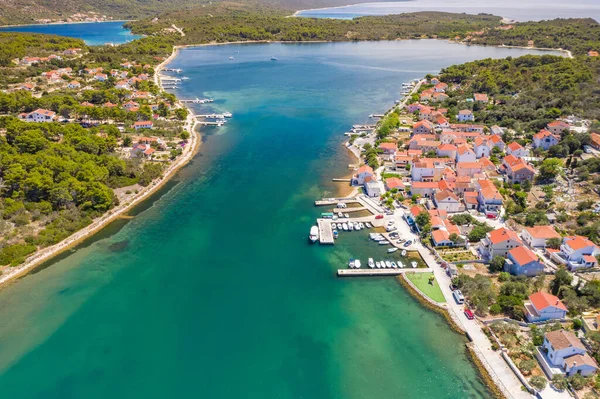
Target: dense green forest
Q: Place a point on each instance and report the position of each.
(17, 45)
(235, 22)
(529, 91)
(577, 35)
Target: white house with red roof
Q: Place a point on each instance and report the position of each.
(517, 170)
(538, 236)
(523, 261)
(557, 127)
(143, 125)
(74, 85)
(480, 97)
(363, 175)
(465, 154)
(448, 201)
(389, 150)
(545, 139)
(425, 189)
(439, 97)
(469, 168)
(499, 242)
(394, 182)
(483, 147)
(465, 115)
(542, 306)
(577, 252)
(41, 115)
(446, 150)
(517, 150)
(489, 198)
(440, 87)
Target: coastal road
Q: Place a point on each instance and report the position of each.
(496, 366)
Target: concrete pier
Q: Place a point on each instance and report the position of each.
(325, 231)
(348, 210)
(334, 201)
(379, 272)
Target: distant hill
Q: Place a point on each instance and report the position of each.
(27, 11)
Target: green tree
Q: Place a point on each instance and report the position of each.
(550, 168)
(496, 264)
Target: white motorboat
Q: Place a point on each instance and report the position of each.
(345, 227)
(273, 59)
(340, 215)
(369, 225)
(378, 265)
(371, 263)
(372, 236)
(391, 250)
(351, 226)
(394, 265)
(383, 264)
(231, 58)
(346, 215)
(400, 264)
(362, 225)
(314, 234)
(414, 264)
(383, 242)
(357, 263)
(403, 252)
(351, 264)
(357, 226)
(388, 264)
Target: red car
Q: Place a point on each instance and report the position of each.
(469, 314)
(379, 217)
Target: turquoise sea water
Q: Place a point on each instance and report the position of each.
(520, 10)
(93, 33)
(212, 290)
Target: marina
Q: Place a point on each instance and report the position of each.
(378, 272)
(325, 231)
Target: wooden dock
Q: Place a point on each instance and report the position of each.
(325, 231)
(379, 272)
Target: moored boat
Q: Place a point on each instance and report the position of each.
(351, 226)
(378, 265)
(388, 264)
(357, 263)
(394, 265)
(345, 227)
(414, 264)
(371, 263)
(383, 242)
(404, 252)
(351, 264)
(335, 234)
(314, 234)
(390, 250)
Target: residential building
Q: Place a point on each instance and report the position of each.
(425, 189)
(423, 127)
(373, 188)
(427, 169)
(143, 125)
(515, 149)
(498, 242)
(544, 139)
(439, 97)
(483, 147)
(41, 115)
(364, 174)
(517, 170)
(394, 182)
(523, 261)
(448, 201)
(542, 306)
(440, 87)
(480, 97)
(465, 154)
(565, 351)
(74, 85)
(446, 150)
(557, 127)
(468, 168)
(538, 236)
(489, 198)
(465, 115)
(389, 150)
(577, 252)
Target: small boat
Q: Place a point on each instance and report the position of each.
(351, 264)
(273, 59)
(357, 263)
(388, 264)
(345, 227)
(372, 236)
(346, 215)
(404, 252)
(351, 226)
(314, 234)
(394, 265)
(340, 215)
(392, 250)
(413, 264)
(400, 264)
(362, 225)
(231, 58)
(335, 234)
(383, 242)
(378, 265)
(369, 225)
(371, 263)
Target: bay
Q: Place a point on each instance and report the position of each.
(93, 33)
(212, 290)
(519, 10)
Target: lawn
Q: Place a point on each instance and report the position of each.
(421, 280)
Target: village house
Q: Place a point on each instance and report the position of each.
(446, 150)
(434, 81)
(27, 86)
(129, 105)
(440, 87)
(394, 183)
(143, 125)
(71, 51)
(364, 174)
(64, 71)
(563, 350)
(447, 201)
(523, 261)
(576, 252)
(74, 85)
(423, 127)
(373, 189)
(517, 170)
(439, 97)
(538, 236)
(427, 95)
(440, 121)
(480, 97)
(465, 115)
(496, 130)
(489, 198)
(498, 242)
(483, 147)
(497, 141)
(557, 127)
(468, 168)
(465, 154)
(595, 140)
(470, 200)
(100, 77)
(465, 127)
(544, 139)
(515, 149)
(127, 65)
(414, 107)
(122, 84)
(389, 150)
(542, 306)
(427, 169)
(41, 115)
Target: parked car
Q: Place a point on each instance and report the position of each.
(469, 314)
(379, 217)
(458, 297)
(453, 287)
(408, 243)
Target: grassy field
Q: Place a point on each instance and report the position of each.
(421, 281)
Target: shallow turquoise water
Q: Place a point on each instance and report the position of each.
(93, 33)
(213, 290)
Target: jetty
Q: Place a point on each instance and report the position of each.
(169, 79)
(216, 116)
(198, 101)
(341, 180)
(349, 210)
(176, 70)
(380, 272)
(334, 201)
(215, 123)
(325, 231)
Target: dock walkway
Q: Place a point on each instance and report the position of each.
(379, 272)
(325, 231)
(349, 210)
(334, 201)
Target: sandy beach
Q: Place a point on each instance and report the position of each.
(98, 224)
